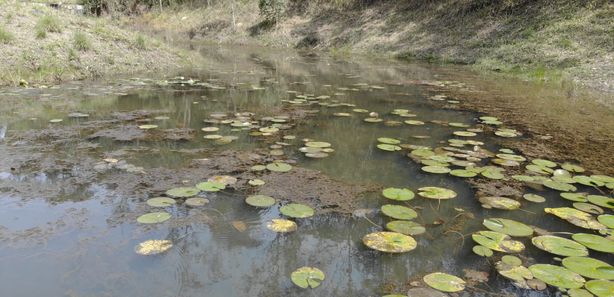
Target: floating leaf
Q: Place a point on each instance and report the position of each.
(512, 261)
(444, 282)
(559, 186)
(317, 144)
(499, 203)
(498, 241)
(307, 277)
(517, 273)
(588, 208)
(543, 163)
(260, 201)
(512, 157)
(256, 182)
(210, 186)
(436, 169)
(576, 217)
(279, 167)
(223, 179)
(436, 193)
(509, 227)
(389, 147)
(295, 210)
(557, 276)
(161, 202)
(600, 287)
(534, 198)
(579, 293)
(481, 250)
(389, 242)
(405, 227)
(153, 217)
(559, 246)
(572, 168)
(463, 173)
(580, 197)
(589, 267)
(153, 247)
(594, 242)
(607, 220)
(182, 192)
(281, 225)
(399, 212)
(147, 127)
(602, 201)
(493, 173)
(196, 202)
(398, 194)
(387, 140)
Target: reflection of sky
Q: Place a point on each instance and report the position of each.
(86, 248)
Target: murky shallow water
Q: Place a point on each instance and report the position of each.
(60, 238)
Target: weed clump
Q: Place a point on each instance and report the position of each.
(81, 42)
(47, 23)
(5, 36)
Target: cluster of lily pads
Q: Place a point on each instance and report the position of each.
(316, 149)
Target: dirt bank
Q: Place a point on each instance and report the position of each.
(571, 40)
(41, 45)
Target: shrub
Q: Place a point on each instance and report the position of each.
(47, 23)
(81, 42)
(272, 10)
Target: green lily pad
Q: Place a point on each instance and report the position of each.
(154, 217)
(579, 293)
(464, 133)
(389, 242)
(260, 201)
(572, 168)
(295, 210)
(436, 193)
(147, 127)
(534, 198)
(256, 182)
(398, 194)
(607, 220)
(587, 181)
(589, 267)
(422, 153)
(595, 242)
(497, 241)
(481, 250)
(281, 225)
(588, 208)
(210, 186)
(557, 276)
(444, 282)
(318, 144)
(182, 192)
(389, 147)
(509, 227)
(600, 287)
(512, 261)
(603, 178)
(399, 212)
(196, 202)
(373, 120)
(387, 140)
(436, 169)
(414, 122)
(544, 163)
(463, 173)
(161, 202)
(512, 157)
(576, 217)
(405, 227)
(307, 277)
(559, 186)
(499, 203)
(258, 168)
(559, 246)
(579, 197)
(279, 167)
(538, 169)
(602, 201)
(492, 173)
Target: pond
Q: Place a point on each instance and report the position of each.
(81, 160)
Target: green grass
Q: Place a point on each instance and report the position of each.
(5, 36)
(47, 23)
(81, 42)
(140, 42)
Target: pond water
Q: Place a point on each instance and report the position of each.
(68, 223)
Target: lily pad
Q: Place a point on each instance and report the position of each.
(595, 242)
(182, 192)
(579, 293)
(398, 194)
(509, 227)
(153, 247)
(588, 208)
(497, 241)
(499, 202)
(295, 210)
(161, 202)
(399, 212)
(492, 174)
(436, 193)
(281, 225)
(318, 144)
(436, 169)
(559, 186)
(602, 201)
(256, 182)
(444, 282)
(260, 201)
(534, 198)
(196, 202)
(463, 173)
(387, 140)
(307, 277)
(279, 167)
(589, 267)
(153, 217)
(576, 217)
(147, 127)
(543, 163)
(405, 227)
(389, 147)
(600, 287)
(512, 157)
(607, 220)
(210, 186)
(559, 246)
(572, 167)
(579, 197)
(389, 242)
(481, 250)
(557, 276)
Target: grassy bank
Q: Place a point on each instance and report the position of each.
(543, 40)
(41, 45)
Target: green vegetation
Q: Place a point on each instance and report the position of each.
(139, 42)
(47, 23)
(272, 10)
(5, 36)
(81, 42)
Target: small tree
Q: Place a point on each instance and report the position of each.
(272, 10)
